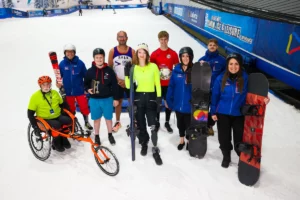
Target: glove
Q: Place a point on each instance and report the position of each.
(37, 132)
(127, 68)
(188, 75)
(158, 101)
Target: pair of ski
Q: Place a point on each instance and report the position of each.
(254, 111)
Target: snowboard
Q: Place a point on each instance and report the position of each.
(54, 62)
(200, 79)
(254, 111)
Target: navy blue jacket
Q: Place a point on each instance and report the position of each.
(179, 93)
(73, 72)
(108, 85)
(230, 100)
(217, 64)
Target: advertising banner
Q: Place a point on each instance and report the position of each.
(237, 29)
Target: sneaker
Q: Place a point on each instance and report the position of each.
(97, 140)
(180, 146)
(65, 143)
(116, 127)
(226, 159)
(168, 127)
(57, 144)
(111, 139)
(88, 126)
(144, 149)
(210, 131)
(156, 156)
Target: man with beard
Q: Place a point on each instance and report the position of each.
(117, 58)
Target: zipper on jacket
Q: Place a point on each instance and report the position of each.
(182, 92)
(232, 89)
(72, 78)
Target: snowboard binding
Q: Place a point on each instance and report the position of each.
(252, 110)
(252, 150)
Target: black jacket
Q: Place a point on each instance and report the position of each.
(107, 82)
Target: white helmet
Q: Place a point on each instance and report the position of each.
(69, 47)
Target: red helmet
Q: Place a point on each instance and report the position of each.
(44, 79)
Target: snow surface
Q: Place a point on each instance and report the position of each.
(73, 175)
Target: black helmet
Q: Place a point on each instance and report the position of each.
(187, 50)
(236, 56)
(98, 51)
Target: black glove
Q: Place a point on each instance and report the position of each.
(37, 132)
(188, 75)
(127, 68)
(158, 101)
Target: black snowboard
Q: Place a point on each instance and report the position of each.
(200, 78)
(254, 111)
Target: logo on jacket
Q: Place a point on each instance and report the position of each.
(227, 83)
(66, 68)
(106, 75)
(168, 56)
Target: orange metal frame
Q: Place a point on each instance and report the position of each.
(56, 133)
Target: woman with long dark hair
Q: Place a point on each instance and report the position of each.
(228, 96)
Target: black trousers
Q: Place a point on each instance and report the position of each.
(210, 121)
(146, 107)
(57, 123)
(183, 123)
(164, 90)
(226, 124)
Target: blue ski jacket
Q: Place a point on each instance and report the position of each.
(179, 92)
(217, 64)
(73, 73)
(230, 100)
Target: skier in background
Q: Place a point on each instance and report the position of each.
(80, 11)
(44, 12)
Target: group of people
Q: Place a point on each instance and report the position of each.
(159, 75)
